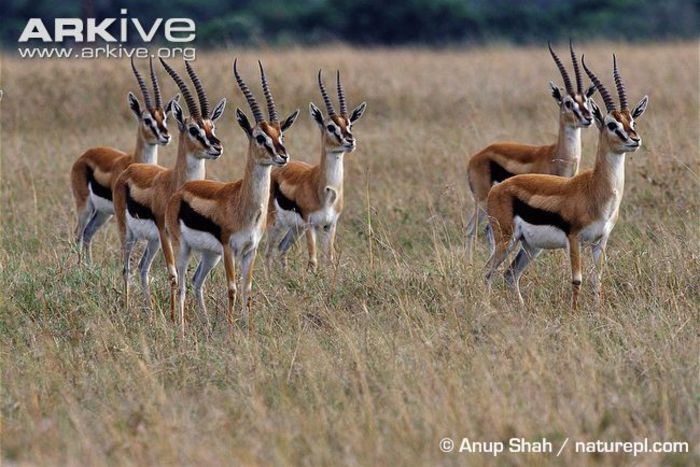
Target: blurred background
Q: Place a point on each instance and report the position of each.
(390, 22)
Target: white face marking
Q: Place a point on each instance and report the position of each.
(142, 229)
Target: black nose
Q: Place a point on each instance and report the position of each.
(284, 157)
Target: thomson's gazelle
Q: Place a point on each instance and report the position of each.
(549, 212)
(228, 219)
(142, 191)
(94, 173)
(308, 198)
(500, 161)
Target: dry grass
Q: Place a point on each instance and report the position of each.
(376, 363)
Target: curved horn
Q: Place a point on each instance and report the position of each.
(620, 86)
(191, 104)
(156, 87)
(201, 95)
(577, 70)
(144, 90)
(607, 98)
(271, 108)
(562, 70)
(341, 95)
(326, 99)
(257, 114)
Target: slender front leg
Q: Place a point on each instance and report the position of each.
(598, 252)
(97, 220)
(170, 264)
(145, 267)
(311, 245)
(575, 258)
(182, 260)
(522, 260)
(230, 267)
(330, 243)
(208, 261)
(247, 263)
(127, 248)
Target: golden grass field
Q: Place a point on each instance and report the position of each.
(375, 362)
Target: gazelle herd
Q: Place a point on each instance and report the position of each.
(531, 196)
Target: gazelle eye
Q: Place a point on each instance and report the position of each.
(568, 104)
(260, 139)
(194, 131)
(612, 126)
(331, 128)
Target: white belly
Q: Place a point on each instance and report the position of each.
(142, 229)
(540, 236)
(288, 218)
(246, 240)
(101, 204)
(199, 240)
(596, 230)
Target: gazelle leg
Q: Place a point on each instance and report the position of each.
(522, 260)
(208, 261)
(97, 220)
(83, 219)
(575, 258)
(145, 267)
(167, 246)
(287, 241)
(311, 245)
(127, 248)
(504, 242)
(230, 267)
(183, 258)
(274, 235)
(247, 263)
(328, 244)
(598, 253)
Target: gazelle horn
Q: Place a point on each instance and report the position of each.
(254, 107)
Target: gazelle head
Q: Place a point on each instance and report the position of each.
(617, 126)
(574, 105)
(153, 117)
(336, 129)
(198, 128)
(266, 136)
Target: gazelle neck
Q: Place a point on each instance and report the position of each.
(187, 166)
(145, 153)
(568, 150)
(608, 179)
(331, 174)
(255, 186)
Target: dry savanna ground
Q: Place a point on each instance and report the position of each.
(376, 361)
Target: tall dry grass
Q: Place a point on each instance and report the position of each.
(373, 363)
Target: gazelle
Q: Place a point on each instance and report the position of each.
(142, 191)
(215, 218)
(94, 173)
(550, 212)
(500, 161)
(309, 198)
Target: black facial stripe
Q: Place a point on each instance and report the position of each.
(284, 202)
(537, 216)
(498, 173)
(153, 128)
(136, 209)
(620, 135)
(197, 221)
(202, 141)
(97, 189)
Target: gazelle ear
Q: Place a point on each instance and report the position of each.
(359, 111)
(597, 114)
(169, 105)
(289, 121)
(218, 110)
(134, 105)
(177, 113)
(641, 107)
(316, 114)
(556, 92)
(590, 91)
(243, 122)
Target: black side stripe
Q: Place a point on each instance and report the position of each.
(196, 221)
(98, 190)
(136, 209)
(537, 216)
(284, 202)
(498, 173)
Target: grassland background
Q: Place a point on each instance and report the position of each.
(377, 361)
